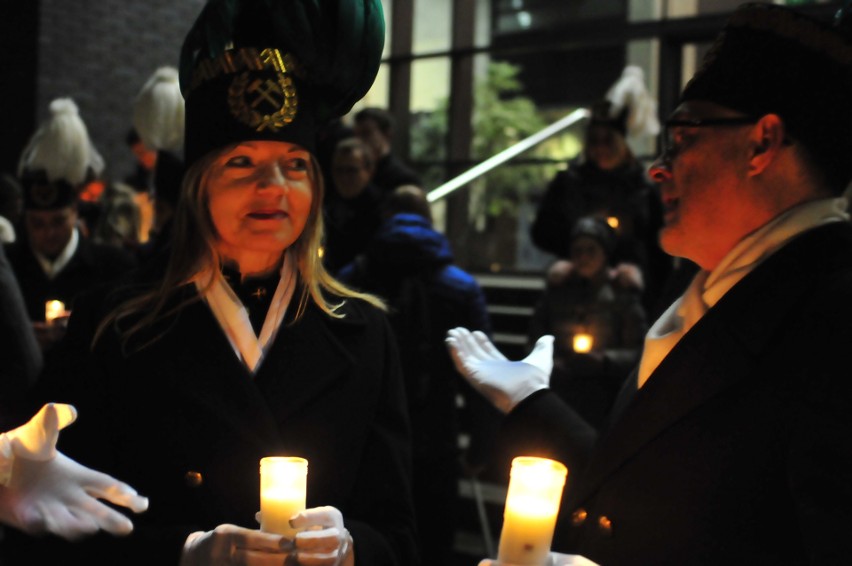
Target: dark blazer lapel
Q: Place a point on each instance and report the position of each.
(293, 374)
(213, 376)
(713, 356)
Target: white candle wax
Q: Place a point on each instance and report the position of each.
(53, 310)
(283, 487)
(532, 504)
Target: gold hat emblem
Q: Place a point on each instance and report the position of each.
(265, 97)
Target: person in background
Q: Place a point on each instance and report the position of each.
(410, 264)
(141, 180)
(353, 207)
(22, 357)
(159, 116)
(119, 221)
(730, 443)
(608, 181)
(595, 302)
(246, 347)
(375, 126)
(11, 207)
(52, 260)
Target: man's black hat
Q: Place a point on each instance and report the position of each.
(772, 60)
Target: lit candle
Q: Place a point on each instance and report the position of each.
(583, 343)
(612, 221)
(532, 504)
(53, 310)
(283, 486)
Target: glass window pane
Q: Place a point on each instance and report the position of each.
(432, 26)
(482, 31)
(387, 7)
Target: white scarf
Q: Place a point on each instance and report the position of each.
(233, 317)
(52, 268)
(708, 287)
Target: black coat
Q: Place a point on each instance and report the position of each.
(91, 265)
(186, 424)
(738, 449)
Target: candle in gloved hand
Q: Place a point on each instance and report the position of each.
(283, 488)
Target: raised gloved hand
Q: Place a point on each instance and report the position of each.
(503, 382)
(45, 491)
(554, 559)
(230, 545)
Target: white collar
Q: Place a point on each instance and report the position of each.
(53, 268)
(233, 317)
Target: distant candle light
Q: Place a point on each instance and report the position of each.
(583, 343)
(53, 310)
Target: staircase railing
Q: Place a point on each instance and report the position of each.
(498, 159)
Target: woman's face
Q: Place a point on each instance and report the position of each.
(259, 197)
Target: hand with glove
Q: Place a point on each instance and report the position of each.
(503, 382)
(42, 490)
(322, 540)
(230, 545)
(554, 559)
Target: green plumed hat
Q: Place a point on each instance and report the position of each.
(276, 69)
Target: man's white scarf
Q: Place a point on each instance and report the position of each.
(233, 317)
(708, 287)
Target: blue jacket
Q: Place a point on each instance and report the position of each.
(407, 248)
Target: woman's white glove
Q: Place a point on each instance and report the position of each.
(503, 382)
(230, 545)
(554, 559)
(45, 491)
(322, 539)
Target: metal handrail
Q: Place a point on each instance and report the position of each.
(498, 159)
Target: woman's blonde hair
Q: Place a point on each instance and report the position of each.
(193, 249)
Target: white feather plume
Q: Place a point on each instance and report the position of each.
(629, 91)
(158, 112)
(61, 147)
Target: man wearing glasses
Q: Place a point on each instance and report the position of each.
(732, 442)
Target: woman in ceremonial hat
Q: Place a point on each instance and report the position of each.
(245, 347)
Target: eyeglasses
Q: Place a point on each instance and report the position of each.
(672, 145)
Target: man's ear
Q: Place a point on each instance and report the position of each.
(767, 138)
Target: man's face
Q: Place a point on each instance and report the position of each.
(701, 175)
(351, 174)
(372, 135)
(49, 231)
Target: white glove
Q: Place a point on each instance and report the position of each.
(554, 559)
(501, 381)
(45, 491)
(230, 545)
(322, 539)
